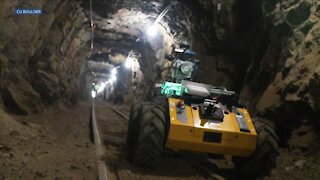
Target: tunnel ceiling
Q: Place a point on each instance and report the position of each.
(117, 26)
(120, 23)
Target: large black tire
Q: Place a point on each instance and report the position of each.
(151, 134)
(263, 160)
(161, 100)
(133, 124)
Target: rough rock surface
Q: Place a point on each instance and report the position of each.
(8, 126)
(301, 159)
(282, 82)
(41, 56)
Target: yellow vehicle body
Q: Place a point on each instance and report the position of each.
(190, 132)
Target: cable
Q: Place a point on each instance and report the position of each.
(162, 14)
(91, 44)
(91, 24)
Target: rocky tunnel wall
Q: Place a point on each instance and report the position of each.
(283, 74)
(266, 50)
(41, 56)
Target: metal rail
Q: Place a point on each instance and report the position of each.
(102, 169)
(118, 112)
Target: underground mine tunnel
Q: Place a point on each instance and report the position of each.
(159, 89)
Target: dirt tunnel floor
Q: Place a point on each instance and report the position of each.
(58, 146)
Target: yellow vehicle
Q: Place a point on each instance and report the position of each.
(201, 118)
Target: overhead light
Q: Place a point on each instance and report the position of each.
(179, 50)
(103, 85)
(114, 71)
(219, 6)
(93, 94)
(113, 78)
(152, 30)
(129, 62)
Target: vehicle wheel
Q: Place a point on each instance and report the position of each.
(132, 124)
(151, 134)
(263, 160)
(161, 100)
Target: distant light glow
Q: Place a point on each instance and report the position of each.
(93, 94)
(114, 71)
(179, 50)
(113, 78)
(103, 85)
(219, 6)
(129, 63)
(152, 31)
(100, 87)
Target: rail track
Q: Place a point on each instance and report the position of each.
(102, 169)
